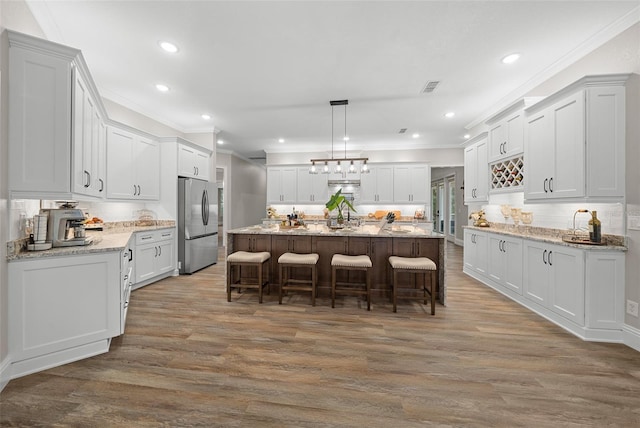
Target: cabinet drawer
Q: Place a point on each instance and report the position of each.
(154, 236)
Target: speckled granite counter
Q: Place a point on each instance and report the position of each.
(114, 237)
(553, 236)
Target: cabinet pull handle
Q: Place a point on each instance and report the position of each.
(549, 258)
(139, 191)
(159, 250)
(551, 185)
(545, 185)
(101, 184)
(544, 257)
(156, 248)
(146, 237)
(88, 176)
(130, 254)
(135, 190)
(418, 247)
(166, 234)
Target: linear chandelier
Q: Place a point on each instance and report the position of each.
(351, 169)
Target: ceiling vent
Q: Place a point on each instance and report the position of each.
(430, 86)
(402, 131)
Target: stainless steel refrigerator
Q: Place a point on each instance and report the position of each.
(197, 224)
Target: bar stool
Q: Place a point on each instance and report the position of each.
(240, 259)
(351, 263)
(414, 265)
(287, 261)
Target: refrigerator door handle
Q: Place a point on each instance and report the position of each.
(203, 201)
(206, 207)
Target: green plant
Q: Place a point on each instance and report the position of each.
(339, 202)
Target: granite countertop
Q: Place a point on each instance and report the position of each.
(553, 236)
(114, 237)
(323, 230)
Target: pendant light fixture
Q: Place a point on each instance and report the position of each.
(351, 168)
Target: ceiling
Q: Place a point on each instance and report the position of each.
(267, 70)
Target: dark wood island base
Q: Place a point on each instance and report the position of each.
(369, 240)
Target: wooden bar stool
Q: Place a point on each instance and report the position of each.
(240, 259)
(414, 265)
(351, 263)
(287, 261)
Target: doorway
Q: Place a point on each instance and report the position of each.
(220, 183)
(443, 201)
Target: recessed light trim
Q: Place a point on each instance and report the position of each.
(206, 117)
(221, 142)
(416, 135)
(449, 114)
(511, 58)
(466, 136)
(280, 140)
(168, 47)
(162, 88)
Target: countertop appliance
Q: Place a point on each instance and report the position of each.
(65, 227)
(197, 224)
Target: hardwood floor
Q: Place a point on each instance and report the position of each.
(189, 358)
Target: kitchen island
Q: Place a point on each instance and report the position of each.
(378, 243)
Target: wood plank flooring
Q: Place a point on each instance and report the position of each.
(189, 358)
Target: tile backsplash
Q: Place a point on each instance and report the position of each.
(558, 215)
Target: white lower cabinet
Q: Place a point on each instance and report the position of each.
(554, 278)
(154, 254)
(475, 251)
(505, 261)
(62, 309)
(605, 300)
(582, 290)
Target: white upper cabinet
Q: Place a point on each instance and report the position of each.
(476, 171)
(281, 184)
(574, 142)
(193, 162)
(88, 141)
(312, 188)
(506, 130)
(377, 185)
(506, 138)
(411, 183)
(133, 166)
(48, 154)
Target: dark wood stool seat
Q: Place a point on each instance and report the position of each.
(351, 263)
(240, 259)
(414, 265)
(288, 261)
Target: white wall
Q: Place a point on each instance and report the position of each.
(434, 157)
(245, 190)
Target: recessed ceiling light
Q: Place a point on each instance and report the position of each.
(415, 135)
(206, 117)
(221, 142)
(281, 140)
(162, 88)
(466, 136)
(449, 114)
(345, 138)
(168, 47)
(511, 58)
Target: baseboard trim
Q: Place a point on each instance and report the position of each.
(631, 336)
(5, 373)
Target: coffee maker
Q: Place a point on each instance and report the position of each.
(66, 227)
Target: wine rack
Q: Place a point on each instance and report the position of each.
(507, 174)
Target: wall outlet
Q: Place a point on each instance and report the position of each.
(632, 308)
